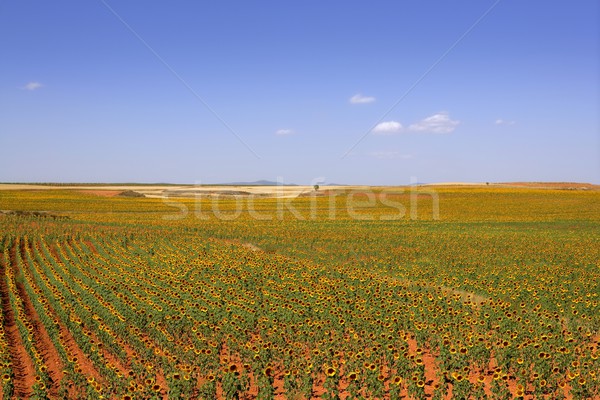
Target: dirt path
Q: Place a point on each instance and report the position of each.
(252, 247)
(22, 364)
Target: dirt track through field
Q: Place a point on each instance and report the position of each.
(24, 370)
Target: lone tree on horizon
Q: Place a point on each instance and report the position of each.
(316, 187)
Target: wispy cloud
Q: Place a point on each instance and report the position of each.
(284, 132)
(390, 155)
(501, 121)
(437, 123)
(387, 128)
(32, 86)
(360, 99)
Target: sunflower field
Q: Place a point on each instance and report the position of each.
(492, 295)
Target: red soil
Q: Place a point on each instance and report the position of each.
(73, 349)
(90, 246)
(24, 370)
(42, 340)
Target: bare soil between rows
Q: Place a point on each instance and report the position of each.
(22, 365)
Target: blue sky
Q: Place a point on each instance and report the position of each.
(352, 91)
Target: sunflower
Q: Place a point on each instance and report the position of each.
(352, 376)
(268, 371)
(562, 384)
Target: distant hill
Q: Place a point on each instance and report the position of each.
(261, 182)
(552, 185)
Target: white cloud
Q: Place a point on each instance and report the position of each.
(437, 123)
(360, 99)
(390, 155)
(284, 132)
(387, 128)
(501, 121)
(32, 86)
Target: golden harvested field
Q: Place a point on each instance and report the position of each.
(344, 293)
